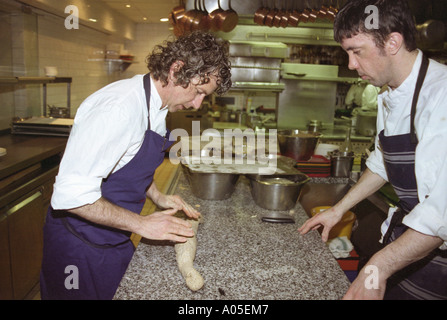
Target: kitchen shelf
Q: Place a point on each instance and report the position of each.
(44, 81)
(314, 72)
(115, 64)
(258, 86)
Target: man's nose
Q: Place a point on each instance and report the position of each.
(197, 102)
(353, 64)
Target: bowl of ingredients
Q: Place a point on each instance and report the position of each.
(277, 192)
(297, 144)
(211, 185)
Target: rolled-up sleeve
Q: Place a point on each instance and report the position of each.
(98, 140)
(430, 215)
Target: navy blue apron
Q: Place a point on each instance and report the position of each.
(427, 278)
(84, 260)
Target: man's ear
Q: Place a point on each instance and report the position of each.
(394, 43)
(175, 67)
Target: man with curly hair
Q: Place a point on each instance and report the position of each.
(117, 142)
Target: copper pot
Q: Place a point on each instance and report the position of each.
(176, 18)
(305, 15)
(260, 15)
(226, 20)
(294, 17)
(200, 21)
(188, 20)
(215, 17)
(206, 23)
(278, 17)
(269, 18)
(322, 13)
(331, 13)
(286, 15)
(313, 15)
(178, 13)
(285, 19)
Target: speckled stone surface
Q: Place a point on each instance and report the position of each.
(239, 256)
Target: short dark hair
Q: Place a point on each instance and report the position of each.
(394, 16)
(202, 54)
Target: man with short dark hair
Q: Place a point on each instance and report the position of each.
(410, 153)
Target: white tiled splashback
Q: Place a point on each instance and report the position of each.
(71, 51)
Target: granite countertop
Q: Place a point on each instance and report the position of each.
(239, 256)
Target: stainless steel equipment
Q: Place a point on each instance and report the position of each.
(341, 163)
(43, 126)
(211, 186)
(314, 126)
(59, 112)
(277, 192)
(366, 123)
(297, 144)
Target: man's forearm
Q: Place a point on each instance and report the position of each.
(108, 214)
(368, 183)
(410, 247)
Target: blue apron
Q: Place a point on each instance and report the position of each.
(84, 260)
(427, 278)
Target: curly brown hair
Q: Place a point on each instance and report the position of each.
(202, 55)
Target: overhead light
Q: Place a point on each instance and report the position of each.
(164, 19)
(92, 20)
(144, 18)
(127, 5)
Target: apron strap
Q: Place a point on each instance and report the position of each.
(420, 81)
(147, 91)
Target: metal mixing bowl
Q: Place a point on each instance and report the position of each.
(277, 192)
(297, 144)
(211, 186)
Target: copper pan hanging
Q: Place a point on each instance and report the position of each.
(294, 17)
(260, 15)
(215, 17)
(332, 12)
(226, 20)
(313, 13)
(176, 19)
(199, 21)
(270, 16)
(285, 17)
(278, 17)
(188, 20)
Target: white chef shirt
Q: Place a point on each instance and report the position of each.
(430, 215)
(108, 131)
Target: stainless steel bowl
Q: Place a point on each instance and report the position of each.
(211, 186)
(297, 144)
(277, 192)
